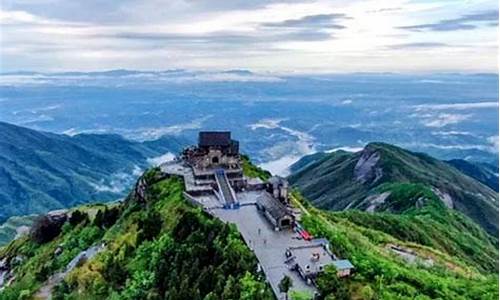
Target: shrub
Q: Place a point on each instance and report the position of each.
(45, 229)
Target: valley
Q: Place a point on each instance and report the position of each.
(42, 171)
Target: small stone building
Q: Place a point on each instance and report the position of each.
(278, 187)
(311, 260)
(344, 267)
(277, 213)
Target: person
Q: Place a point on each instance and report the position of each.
(259, 230)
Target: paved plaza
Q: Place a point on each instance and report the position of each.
(268, 245)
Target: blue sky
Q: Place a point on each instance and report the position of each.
(259, 35)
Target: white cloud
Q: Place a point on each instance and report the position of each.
(153, 34)
(280, 166)
(149, 134)
(158, 160)
(444, 119)
(345, 148)
(137, 171)
(267, 124)
(493, 140)
(486, 148)
(451, 133)
(117, 183)
(147, 78)
(457, 106)
(283, 154)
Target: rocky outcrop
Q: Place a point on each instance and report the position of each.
(140, 192)
(7, 265)
(366, 170)
(45, 292)
(444, 197)
(375, 200)
(48, 227)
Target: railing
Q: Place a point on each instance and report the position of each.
(225, 190)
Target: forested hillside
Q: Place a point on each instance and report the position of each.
(391, 264)
(41, 171)
(482, 172)
(151, 247)
(365, 180)
(155, 245)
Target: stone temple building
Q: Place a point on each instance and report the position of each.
(214, 168)
(218, 149)
(214, 179)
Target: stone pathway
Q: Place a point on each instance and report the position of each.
(45, 292)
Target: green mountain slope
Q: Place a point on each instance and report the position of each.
(155, 245)
(343, 180)
(42, 171)
(152, 247)
(482, 172)
(13, 226)
(390, 264)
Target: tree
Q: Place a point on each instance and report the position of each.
(45, 229)
(110, 216)
(367, 293)
(105, 218)
(98, 219)
(77, 217)
(330, 286)
(285, 284)
(150, 224)
(301, 295)
(253, 289)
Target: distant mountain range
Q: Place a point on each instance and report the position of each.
(368, 180)
(483, 172)
(42, 171)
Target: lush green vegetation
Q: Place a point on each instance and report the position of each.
(161, 249)
(426, 221)
(381, 274)
(332, 181)
(8, 229)
(252, 170)
(464, 257)
(37, 262)
(464, 265)
(43, 171)
(157, 246)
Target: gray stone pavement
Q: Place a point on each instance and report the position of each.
(269, 245)
(248, 197)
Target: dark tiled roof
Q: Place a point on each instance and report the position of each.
(214, 138)
(273, 206)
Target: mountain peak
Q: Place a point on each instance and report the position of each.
(347, 181)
